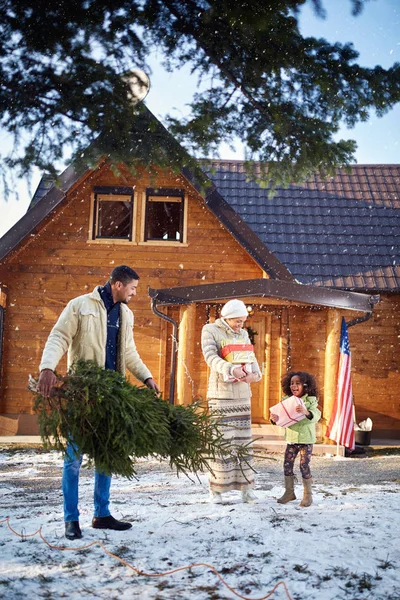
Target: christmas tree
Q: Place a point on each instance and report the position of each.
(113, 422)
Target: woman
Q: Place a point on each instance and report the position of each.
(233, 366)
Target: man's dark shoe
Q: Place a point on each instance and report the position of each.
(72, 530)
(109, 523)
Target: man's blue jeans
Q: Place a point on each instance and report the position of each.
(70, 483)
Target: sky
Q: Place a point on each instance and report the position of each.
(375, 34)
(342, 547)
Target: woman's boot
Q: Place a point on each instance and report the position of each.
(215, 497)
(248, 496)
(289, 490)
(307, 494)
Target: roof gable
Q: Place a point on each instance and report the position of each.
(49, 195)
(340, 232)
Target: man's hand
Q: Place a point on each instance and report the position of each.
(151, 384)
(47, 380)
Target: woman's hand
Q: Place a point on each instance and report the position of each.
(239, 373)
(250, 377)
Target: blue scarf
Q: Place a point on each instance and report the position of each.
(112, 325)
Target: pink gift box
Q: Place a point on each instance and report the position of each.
(286, 411)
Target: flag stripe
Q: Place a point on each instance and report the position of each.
(341, 424)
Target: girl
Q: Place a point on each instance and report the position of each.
(300, 436)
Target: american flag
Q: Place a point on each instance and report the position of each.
(341, 424)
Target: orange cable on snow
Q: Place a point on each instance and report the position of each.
(138, 572)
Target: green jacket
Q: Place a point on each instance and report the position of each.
(303, 432)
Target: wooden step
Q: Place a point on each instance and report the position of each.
(271, 432)
(279, 446)
(272, 439)
(8, 424)
(18, 424)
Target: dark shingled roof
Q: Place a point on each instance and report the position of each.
(341, 232)
(46, 182)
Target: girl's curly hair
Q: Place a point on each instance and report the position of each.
(309, 382)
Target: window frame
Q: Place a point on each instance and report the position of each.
(112, 194)
(160, 193)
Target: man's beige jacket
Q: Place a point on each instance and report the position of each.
(82, 331)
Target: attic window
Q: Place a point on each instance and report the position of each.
(113, 213)
(164, 220)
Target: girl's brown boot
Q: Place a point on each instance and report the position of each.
(307, 495)
(289, 490)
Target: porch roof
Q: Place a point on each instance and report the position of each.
(272, 288)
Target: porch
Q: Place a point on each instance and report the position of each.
(291, 326)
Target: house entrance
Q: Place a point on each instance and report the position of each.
(259, 326)
(192, 369)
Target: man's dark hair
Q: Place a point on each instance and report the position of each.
(123, 274)
(308, 381)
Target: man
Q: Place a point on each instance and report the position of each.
(98, 327)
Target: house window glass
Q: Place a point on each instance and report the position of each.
(164, 215)
(113, 214)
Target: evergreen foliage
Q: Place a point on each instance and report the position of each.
(284, 95)
(113, 423)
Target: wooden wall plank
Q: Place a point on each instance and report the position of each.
(333, 325)
(185, 386)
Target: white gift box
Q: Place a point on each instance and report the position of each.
(286, 413)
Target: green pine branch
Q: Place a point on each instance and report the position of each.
(113, 423)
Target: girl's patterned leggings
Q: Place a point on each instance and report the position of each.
(292, 450)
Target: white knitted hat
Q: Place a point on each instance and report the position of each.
(233, 309)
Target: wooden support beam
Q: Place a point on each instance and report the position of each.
(283, 349)
(333, 323)
(267, 365)
(3, 298)
(186, 346)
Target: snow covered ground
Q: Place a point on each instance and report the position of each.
(345, 546)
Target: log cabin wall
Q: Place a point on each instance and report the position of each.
(375, 359)
(58, 263)
(374, 346)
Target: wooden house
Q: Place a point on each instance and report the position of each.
(301, 260)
